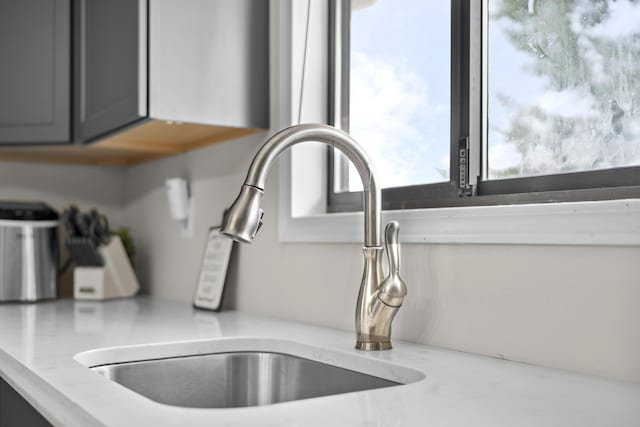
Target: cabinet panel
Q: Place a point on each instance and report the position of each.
(15, 411)
(110, 47)
(209, 61)
(34, 71)
(84, 70)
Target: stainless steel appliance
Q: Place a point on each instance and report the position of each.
(28, 251)
(379, 298)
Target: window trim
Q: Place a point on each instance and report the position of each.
(613, 222)
(468, 88)
(600, 223)
(338, 72)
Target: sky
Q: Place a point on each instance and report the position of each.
(400, 87)
(400, 100)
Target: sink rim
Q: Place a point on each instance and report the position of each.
(365, 363)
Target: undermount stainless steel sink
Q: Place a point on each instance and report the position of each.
(236, 379)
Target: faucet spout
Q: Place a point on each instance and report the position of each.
(244, 219)
(271, 150)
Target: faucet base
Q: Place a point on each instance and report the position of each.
(375, 346)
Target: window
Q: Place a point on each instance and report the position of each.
(399, 101)
(466, 102)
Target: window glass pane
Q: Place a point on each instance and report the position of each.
(400, 89)
(563, 86)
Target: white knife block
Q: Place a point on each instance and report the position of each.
(115, 279)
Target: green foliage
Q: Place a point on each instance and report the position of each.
(127, 242)
(569, 47)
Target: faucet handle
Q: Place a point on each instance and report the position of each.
(392, 289)
(392, 246)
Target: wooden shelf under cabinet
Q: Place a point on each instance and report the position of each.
(148, 141)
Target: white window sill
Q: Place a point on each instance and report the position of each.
(302, 200)
(614, 222)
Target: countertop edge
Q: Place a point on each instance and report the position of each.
(42, 396)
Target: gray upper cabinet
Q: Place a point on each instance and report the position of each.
(34, 71)
(110, 45)
(209, 61)
(85, 71)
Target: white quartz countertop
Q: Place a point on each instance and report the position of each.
(38, 343)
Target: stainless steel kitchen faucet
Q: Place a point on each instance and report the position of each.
(378, 299)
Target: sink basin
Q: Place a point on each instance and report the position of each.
(237, 379)
(234, 372)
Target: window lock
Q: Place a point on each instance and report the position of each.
(464, 188)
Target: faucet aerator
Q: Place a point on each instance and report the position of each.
(234, 237)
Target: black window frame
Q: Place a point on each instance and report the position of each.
(467, 185)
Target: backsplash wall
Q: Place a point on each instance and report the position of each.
(561, 306)
(214, 176)
(61, 185)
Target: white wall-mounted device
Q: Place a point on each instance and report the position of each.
(180, 204)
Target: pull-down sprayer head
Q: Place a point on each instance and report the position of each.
(244, 218)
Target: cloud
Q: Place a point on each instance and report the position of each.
(390, 115)
(623, 20)
(568, 103)
(593, 59)
(504, 156)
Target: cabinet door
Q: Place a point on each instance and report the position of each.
(111, 65)
(209, 62)
(34, 71)
(17, 412)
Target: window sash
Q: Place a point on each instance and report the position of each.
(468, 129)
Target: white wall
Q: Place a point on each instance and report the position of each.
(567, 307)
(61, 185)
(166, 262)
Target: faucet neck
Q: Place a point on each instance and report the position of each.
(271, 150)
